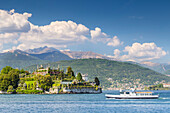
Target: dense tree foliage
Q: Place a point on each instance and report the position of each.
(14, 75)
(6, 70)
(79, 77)
(70, 72)
(11, 78)
(155, 87)
(44, 82)
(97, 81)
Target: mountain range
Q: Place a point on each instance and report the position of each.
(20, 59)
(85, 55)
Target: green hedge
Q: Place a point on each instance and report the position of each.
(11, 91)
(29, 91)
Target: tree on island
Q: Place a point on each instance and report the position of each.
(4, 82)
(45, 82)
(97, 81)
(70, 72)
(6, 70)
(10, 87)
(14, 76)
(11, 78)
(79, 77)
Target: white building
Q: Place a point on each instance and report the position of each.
(166, 85)
(85, 77)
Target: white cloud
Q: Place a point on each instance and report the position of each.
(98, 36)
(14, 22)
(16, 32)
(57, 34)
(1, 46)
(11, 25)
(8, 38)
(143, 52)
(65, 50)
(114, 42)
(116, 53)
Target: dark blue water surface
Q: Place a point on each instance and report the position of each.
(82, 103)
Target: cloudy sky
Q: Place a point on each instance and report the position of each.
(129, 30)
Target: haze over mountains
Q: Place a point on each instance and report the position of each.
(161, 68)
(41, 50)
(42, 55)
(84, 55)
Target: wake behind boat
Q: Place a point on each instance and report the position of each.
(133, 95)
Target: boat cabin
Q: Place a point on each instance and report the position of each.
(135, 93)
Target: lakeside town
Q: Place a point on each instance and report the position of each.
(123, 84)
(46, 81)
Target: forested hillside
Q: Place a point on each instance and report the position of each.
(105, 69)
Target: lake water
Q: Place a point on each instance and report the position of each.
(82, 103)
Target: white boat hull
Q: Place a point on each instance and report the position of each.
(132, 97)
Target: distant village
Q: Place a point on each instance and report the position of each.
(123, 84)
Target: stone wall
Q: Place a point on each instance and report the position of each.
(83, 90)
(3, 92)
(54, 90)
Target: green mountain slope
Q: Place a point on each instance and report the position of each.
(18, 59)
(52, 56)
(105, 69)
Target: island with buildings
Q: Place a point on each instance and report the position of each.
(46, 81)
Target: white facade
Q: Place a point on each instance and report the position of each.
(166, 85)
(85, 77)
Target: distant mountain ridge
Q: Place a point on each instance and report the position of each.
(71, 54)
(84, 55)
(20, 59)
(41, 50)
(147, 63)
(52, 56)
(16, 55)
(161, 68)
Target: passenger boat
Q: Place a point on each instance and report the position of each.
(133, 95)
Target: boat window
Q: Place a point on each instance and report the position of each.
(127, 93)
(121, 92)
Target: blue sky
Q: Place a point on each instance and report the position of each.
(137, 30)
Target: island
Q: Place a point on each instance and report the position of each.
(46, 81)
